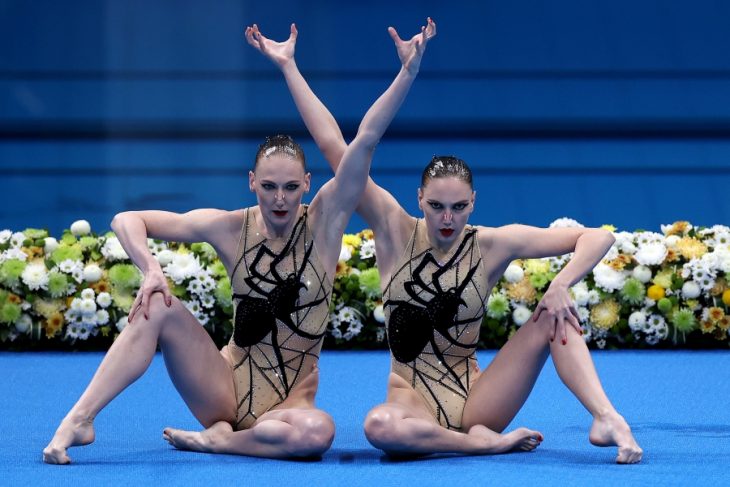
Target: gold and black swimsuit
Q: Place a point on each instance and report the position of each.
(281, 297)
(433, 315)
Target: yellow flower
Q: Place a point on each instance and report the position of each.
(655, 292)
(608, 227)
(707, 326)
(54, 324)
(719, 287)
(724, 324)
(101, 286)
(366, 234)
(537, 266)
(351, 240)
(14, 298)
(663, 279)
(342, 269)
(726, 297)
(679, 228)
(522, 291)
(716, 314)
(47, 308)
(691, 248)
(621, 261)
(672, 256)
(606, 314)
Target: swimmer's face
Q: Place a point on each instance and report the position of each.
(279, 182)
(446, 203)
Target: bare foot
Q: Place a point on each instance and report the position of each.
(521, 439)
(73, 431)
(203, 441)
(612, 430)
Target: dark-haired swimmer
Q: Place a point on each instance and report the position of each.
(437, 273)
(256, 396)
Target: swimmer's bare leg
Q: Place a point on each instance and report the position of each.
(294, 429)
(196, 367)
(503, 387)
(403, 427)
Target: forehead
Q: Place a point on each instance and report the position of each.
(447, 189)
(279, 166)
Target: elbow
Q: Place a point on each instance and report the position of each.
(367, 139)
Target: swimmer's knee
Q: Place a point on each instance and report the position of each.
(381, 427)
(314, 436)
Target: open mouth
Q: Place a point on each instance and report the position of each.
(446, 232)
(280, 213)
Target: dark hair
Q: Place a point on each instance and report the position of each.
(280, 144)
(446, 166)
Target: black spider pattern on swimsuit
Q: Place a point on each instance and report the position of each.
(273, 297)
(432, 310)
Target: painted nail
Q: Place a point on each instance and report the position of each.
(565, 341)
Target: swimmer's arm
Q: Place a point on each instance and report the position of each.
(319, 121)
(133, 228)
(588, 245)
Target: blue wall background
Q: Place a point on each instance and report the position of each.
(607, 112)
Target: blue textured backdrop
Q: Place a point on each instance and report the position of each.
(607, 112)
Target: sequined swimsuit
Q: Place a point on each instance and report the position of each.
(281, 299)
(433, 314)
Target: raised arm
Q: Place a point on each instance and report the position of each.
(341, 195)
(318, 119)
(134, 227)
(588, 245)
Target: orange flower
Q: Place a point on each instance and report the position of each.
(678, 228)
(723, 323)
(672, 256)
(707, 326)
(716, 314)
(54, 324)
(101, 286)
(719, 287)
(342, 269)
(366, 234)
(14, 298)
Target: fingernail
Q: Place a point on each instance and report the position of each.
(565, 341)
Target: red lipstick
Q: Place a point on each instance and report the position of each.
(446, 232)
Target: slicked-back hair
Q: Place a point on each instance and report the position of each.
(446, 166)
(280, 145)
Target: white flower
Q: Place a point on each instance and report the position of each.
(165, 257)
(71, 266)
(183, 266)
(521, 314)
(666, 228)
(612, 253)
(367, 249)
(379, 314)
(671, 241)
(35, 276)
(207, 300)
(23, 324)
(380, 334)
(643, 238)
(353, 329)
(80, 228)
(347, 314)
(87, 307)
(583, 314)
(193, 306)
(92, 273)
(13, 253)
(5, 236)
(593, 297)
(51, 244)
(651, 339)
(690, 290)
(514, 273)
(642, 273)
(637, 320)
(123, 321)
(601, 343)
(625, 242)
(565, 223)
(557, 263)
(345, 253)
(113, 250)
(608, 278)
(104, 299)
(88, 293)
(156, 247)
(652, 253)
(17, 239)
(102, 317)
(580, 293)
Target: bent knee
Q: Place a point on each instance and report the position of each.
(381, 427)
(314, 436)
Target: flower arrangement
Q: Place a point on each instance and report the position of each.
(651, 289)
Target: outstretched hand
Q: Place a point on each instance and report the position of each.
(411, 51)
(154, 282)
(558, 306)
(279, 53)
